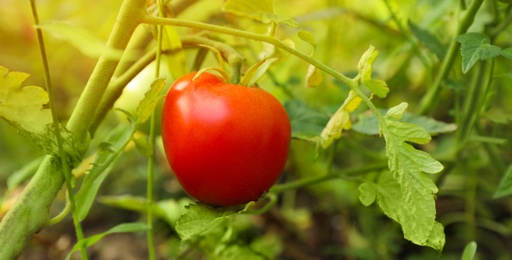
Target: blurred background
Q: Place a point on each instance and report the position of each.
(323, 221)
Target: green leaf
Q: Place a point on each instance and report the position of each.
(313, 77)
(307, 37)
(25, 109)
(339, 121)
(107, 155)
(365, 68)
(505, 187)
(469, 251)
(256, 72)
(507, 53)
(121, 228)
(150, 101)
(367, 194)
(198, 219)
(474, 47)
(430, 41)
(367, 123)
(169, 210)
(307, 123)
(143, 146)
(406, 193)
(85, 41)
(397, 112)
(412, 205)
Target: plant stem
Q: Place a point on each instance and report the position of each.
(30, 212)
(432, 96)
(130, 16)
(314, 180)
(63, 157)
(151, 159)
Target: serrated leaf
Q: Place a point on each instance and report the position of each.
(430, 41)
(340, 120)
(413, 206)
(406, 193)
(408, 132)
(313, 77)
(469, 251)
(367, 123)
(505, 187)
(121, 228)
(365, 68)
(107, 155)
(474, 47)
(25, 109)
(150, 101)
(367, 194)
(85, 41)
(307, 123)
(507, 53)
(256, 72)
(175, 58)
(199, 218)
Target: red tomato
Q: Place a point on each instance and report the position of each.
(227, 144)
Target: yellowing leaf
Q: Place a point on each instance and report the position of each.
(313, 77)
(262, 11)
(365, 68)
(176, 57)
(24, 108)
(340, 120)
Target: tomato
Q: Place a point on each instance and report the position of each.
(227, 144)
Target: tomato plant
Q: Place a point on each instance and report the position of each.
(226, 143)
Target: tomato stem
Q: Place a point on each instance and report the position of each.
(278, 188)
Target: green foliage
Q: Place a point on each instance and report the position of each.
(505, 187)
(255, 72)
(368, 123)
(405, 194)
(475, 47)
(121, 228)
(150, 101)
(469, 251)
(108, 154)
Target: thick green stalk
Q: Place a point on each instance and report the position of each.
(31, 211)
(431, 98)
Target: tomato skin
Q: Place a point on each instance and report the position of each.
(227, 144)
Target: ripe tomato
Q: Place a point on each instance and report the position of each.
(227, 144)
